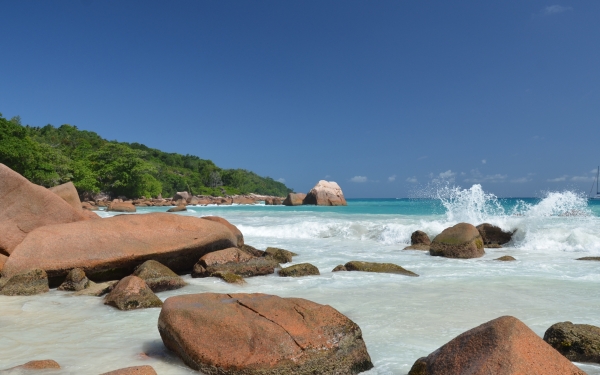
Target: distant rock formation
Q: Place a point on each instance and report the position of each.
(326, 193)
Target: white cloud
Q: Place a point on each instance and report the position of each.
(483, 161)
(282, 180)
(447, 175)
(558, 179)
(582, 178)
(478, 177)
(520, 180)
(412, 180)
(392, 178)
(594, 170)
(358, 179)
(555, 9)
(463, 174)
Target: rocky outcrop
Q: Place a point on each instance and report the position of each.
(506, 258)
(233, 261)
(356, 265)
(136, 370)
(111, 248)
(254, 334)
(158, 277)
(493, 236)
(294, 199)
(179, 208)
(460, 241)
(577, 342)
(503, 346)
(419, 241)
(325, 193)
(76, 280)
(25, 206)
(132, 293)
(298, 270)
(42, 364)
(280, 255)
(236, 232)
(25, 283)
(68, 192)
(275, 201)
(121, 207)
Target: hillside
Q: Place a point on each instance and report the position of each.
(50, 155)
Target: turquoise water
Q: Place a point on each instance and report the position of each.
(402, 318)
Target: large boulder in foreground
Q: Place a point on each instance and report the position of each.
(503, 346)
(132, 293)
(493, 236)
(254, 334)
(25, 206)
(326, 193)
(294, 199)
(577, 342)
(460, 241)
(111, 248)
(231, 227)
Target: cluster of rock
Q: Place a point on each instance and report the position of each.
(325, 193)
(49, 364)
(461, 241)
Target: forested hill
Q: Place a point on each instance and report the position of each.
(50, 155)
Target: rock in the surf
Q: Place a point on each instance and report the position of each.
(493, 236)
(419, 240)
(26, 283)
(132, 293)
(229, 277)
(179, 208)
(121, 207)
(280, 255)
(506, 258)
(111, 248)
(589, 258)
(97, 290)
(577, 342)
(503, 346)
(460, 241)
(234, 261)
(325, 193)
(252, 250)
(356, 265)
(252, 334)
(294, 199)
(298, 270)
(136, 370)
(25, 206)
(76, 280)
(237, 233)
(339, 267)
(158, 277)
(41, 364)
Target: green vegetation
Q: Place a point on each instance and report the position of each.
(49, 156)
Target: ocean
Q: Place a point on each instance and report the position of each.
(402, 318)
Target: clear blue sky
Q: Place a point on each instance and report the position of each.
(380, 96)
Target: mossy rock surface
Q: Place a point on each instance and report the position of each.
(356, 265)
(280, 255)
(75, 281)
(577, 342)
(506, 258)
(132, 293)
(460, 241)
(253, 267)
(158, 277)
(297, 270)
(338, 268)
(252, 250)
(229, 277)
(27, 283)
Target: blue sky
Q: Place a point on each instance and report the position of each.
(381, 96)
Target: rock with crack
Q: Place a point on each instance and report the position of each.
(252, 334)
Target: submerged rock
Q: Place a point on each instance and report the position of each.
(229, 277)
(460, 241)
(41, 364)
(280, 255)
(506, 258)
(136, 370)
(179, 208)
(298, 270)
(503, 346)
(493, 236)
(420, 247)
(27, 283)
(258, 334)
(589, 258)
(339, 267)
(132, 293)
(356, 265)
(577, 342)
(294, 199)
(75, 281)
(325, 193)
(158, 277)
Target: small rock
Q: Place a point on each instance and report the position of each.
(356, 265)
(339, 267)
(121, 207)
(97, 290)
(137, 370)
(506, 258)
(419, 238)
(158, 277)
(179, 208)
(460, 241)
(493, 236)
(132, 293)
(577, 342)
(252, 250)
(420, 246)
(26, 283)
(297, 270)
(42, 364)
(280, 255)
(229, 277)
(75, 281)
(249, 268)
(589, 258)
